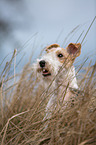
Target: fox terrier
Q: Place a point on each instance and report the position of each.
(56, 68)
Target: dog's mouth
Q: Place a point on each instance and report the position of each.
(45, 72)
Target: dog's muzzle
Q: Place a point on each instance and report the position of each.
(45, 71)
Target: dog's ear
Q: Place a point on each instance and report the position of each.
(50, 47)
(74, 49)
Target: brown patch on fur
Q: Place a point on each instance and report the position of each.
(64, 53)
(67, 58)
(52, 46)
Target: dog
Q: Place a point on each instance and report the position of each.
(56, 68)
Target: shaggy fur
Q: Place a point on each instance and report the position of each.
(56, 67)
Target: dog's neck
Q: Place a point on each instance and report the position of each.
(68, 77)
(72, 77)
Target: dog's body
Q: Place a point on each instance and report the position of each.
(56, 67)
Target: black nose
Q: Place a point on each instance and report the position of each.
(42, 63)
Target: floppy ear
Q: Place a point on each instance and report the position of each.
(74, 49)
(50, 47)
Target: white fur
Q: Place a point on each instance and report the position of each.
(64, 77)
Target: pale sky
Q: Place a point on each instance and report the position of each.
(52, 19)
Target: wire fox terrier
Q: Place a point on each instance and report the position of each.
(56, 67)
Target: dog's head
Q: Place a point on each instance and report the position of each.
(56, 57)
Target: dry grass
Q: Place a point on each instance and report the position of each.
(22, 108)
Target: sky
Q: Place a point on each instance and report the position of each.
(29, 25)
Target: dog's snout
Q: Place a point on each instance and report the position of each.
(42, 63)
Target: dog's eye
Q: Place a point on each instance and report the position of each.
(60, 55)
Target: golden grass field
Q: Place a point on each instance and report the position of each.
(22, 108)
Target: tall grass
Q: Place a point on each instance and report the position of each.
(22, 109)
(23, 103)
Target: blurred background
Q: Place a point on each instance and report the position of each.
(31, 25)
